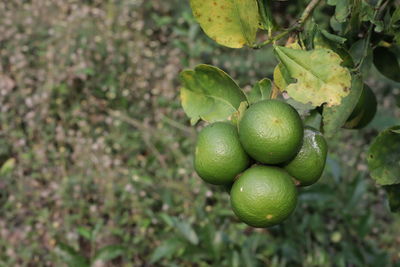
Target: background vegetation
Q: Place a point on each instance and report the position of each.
(98, 153)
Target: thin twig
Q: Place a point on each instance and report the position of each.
(303, 18)
(275, 38)
(307, 12)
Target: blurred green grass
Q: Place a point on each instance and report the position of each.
(90, 113)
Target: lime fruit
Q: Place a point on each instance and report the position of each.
(271, 131)
(263, 196)
(219, 156)
(308, 165)
(364, 111)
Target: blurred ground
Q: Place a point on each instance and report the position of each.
(90, 113)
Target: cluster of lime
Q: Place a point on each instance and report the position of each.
(263, 159)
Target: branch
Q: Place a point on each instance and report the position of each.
(308, 11)
(303, 18)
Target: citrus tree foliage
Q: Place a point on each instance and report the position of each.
(232, 23)
(315, 71)
(210, 94)
(322, 67)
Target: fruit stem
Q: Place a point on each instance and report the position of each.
(299, 23)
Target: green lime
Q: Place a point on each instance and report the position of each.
(364, 111)
(308, 165)
(271, 131)
(219, 156)
(263, 196)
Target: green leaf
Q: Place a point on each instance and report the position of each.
(71, 256)
(302, 109)
(85, 233)
(386, 63)
(209, 93)
(355, 20)
(322, 41)
(282, 77)
(397, 38)
(167, 219)
(232, 23)
(384, 157)
(395, 20)
(266, 19)
(393, 193)
(7, 167)
(367, 11)
(342, 10)
(357, 50)
(109, 252)
(395, 131)
(337, 26)
(248, 257)
(261, 90)
(357, 53)
(335, 117)
(333, 37)
(314, 120)
(237, 116)
(166, 250)
(379, 25)
(186, 230)
(395, 25)
(320, 77)
(310, 28)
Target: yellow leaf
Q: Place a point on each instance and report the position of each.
(232, 23)
(319, 76)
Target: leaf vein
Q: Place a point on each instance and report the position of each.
(305, 68)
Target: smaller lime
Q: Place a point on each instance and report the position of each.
(263, 196)
(364, 111)
(219, 156)
(309, 163)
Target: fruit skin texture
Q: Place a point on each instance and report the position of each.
(263, 196)
(364, 111)
(271, 131)
(307, 166)
(219, 156)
